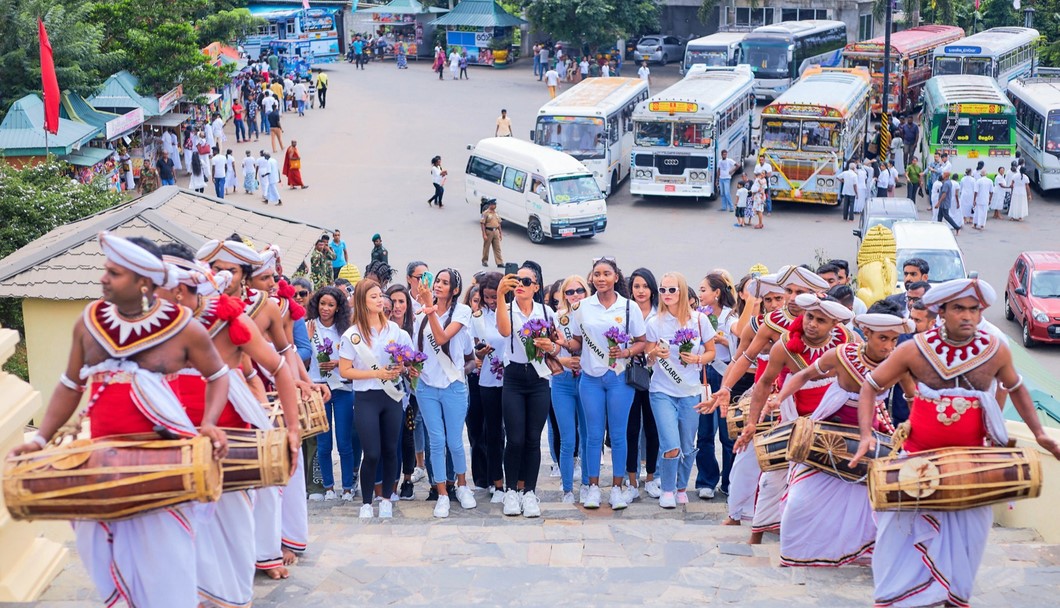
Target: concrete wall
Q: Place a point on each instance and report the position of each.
(1038, 513)
(49, 329)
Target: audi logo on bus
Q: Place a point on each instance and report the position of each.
(672, 162)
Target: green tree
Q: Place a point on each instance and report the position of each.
(595, 22)
(229, 27)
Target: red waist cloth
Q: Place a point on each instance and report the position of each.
(848, 414)
(191, 390)
(114, 411)
(807, 399)
(945, 422)
(760, 368)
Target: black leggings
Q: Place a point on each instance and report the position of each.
(377, 417)
(437, 198)
(525, 401)
(476, 432)
(493, 430)
(641, 406)
(408, 439)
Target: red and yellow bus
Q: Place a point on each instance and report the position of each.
(911, 53)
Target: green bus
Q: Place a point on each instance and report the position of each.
(970, 119)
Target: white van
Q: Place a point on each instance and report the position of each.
(932, 242)
(548, 192)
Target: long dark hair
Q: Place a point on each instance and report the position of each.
(653, 286)
(196, 164)
(740, 302)
(621, 287)
(342, 309)
(456, 286)
(488, 280)
(406, 321)
(550, 300)
(725, 295)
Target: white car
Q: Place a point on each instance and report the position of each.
(660, 49)
(932, 242)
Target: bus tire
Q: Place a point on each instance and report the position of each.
(614, 183)
(534, 231)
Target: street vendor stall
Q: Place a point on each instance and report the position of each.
(405, 21)
(98, 165)
(488, 33)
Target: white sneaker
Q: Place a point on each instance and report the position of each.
(531, 505)
(466, 498)
(330, 495)
(555, 471)
(441, 509)
(418, 475)
(592, 497)
(706, 493)
(346, 496)
(394, 497)
(682, 497)
(513, 503)
(618, 498)
(568, 498)
(366, 512)
(631, 494)
(498, 496)
(316, 497)
(582, 493)
(653, 488)
(668, 500)
(386, 509)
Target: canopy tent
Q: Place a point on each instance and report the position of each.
(22, 131)
(87, 156)
(478, 13)
(173, 119)
(404, 7)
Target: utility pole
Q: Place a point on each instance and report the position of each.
(885, 115)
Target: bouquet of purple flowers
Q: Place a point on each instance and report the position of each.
(534, 328)
(685, 340)
(615, 337)
(497, 367)
(324, 352)
(408, 357)
(709, 311)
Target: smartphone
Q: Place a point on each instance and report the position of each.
(511, 268)
(427, 279)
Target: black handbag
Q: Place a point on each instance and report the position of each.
(637, 373)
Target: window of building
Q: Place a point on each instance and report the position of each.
(865, 23)
(803, 14)
(754, 17)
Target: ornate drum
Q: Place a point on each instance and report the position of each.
(737, 418)
(111, 478)
(828, 446)
(771, 447)
(256, 459)
(951, 479)
(312, 417)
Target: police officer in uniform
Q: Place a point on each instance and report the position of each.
(491, 233)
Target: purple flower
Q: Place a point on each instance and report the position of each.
(617, 336)
(497, 367)
(706, 310)
(684, 336)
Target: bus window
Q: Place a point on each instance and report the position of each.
(767, 60)
(964, 130)
(947, 65)
(582, 138)
(612, 129)
(992, 131)
(708, 57)
(780, 134)
(692, 135)
(652, 134)
(977, 67)
(1052, 134)
(820, 135)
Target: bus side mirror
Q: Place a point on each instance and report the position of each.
(857, 233)
(532, 137)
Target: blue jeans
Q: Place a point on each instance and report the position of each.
(444, 411)
(607, 401)
(677, 421)
(241, 132)
(264, 123)
(422, 444)
(537, 65)
(708, 474)
(301, 107)
(566, 404)
(169, 182)
(340, 415)
(252, 128)
(219, 186)
(725, 185)
(769, 200)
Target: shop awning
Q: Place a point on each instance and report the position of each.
(403, 7)
(87, 156)
(478, 13)
(173, 119)
(208, 98)
(22, 131)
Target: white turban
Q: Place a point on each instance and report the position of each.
(957, 289)
(835, 310)
(764, 285)
(128, 255)
(799, 276)
(194, 273)
(232, 252)
(884, 322)
(270, 260)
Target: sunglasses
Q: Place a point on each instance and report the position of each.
(302, 293)
(525, 281)
(668, 290)
(417, 276)
(577, 291)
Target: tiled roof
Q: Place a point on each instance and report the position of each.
(22, 132)
(478, 13)
(65, 264)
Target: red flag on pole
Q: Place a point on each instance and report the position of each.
(49, 84)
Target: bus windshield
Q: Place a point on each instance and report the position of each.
(653, 134)
(767, 60)
(693, 134)
(820, 135)
(947, 65)
(783, 134)
(874, 66)
(992, 131)
(977, 67)
(707, 56)
(574, 189)
(1052, 134)
(583, 138)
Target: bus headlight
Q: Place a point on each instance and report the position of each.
(773, 180)
(831, 182)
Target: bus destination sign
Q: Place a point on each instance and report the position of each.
(963, 50)
(976, 108)
(673, 107)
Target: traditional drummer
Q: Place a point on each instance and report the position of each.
(827, 520)
(929, 557)
(817, 330)
(123, 346)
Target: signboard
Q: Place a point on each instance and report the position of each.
(671, 107)
(976, 108)
(125, 122)
(797, 109)
(167, 101)
(963, 50)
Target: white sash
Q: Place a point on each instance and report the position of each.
(244, 402)
(333, 379)
(599, 353)
(452, 373)
(365, 354)
(541, 368)
(686, 389)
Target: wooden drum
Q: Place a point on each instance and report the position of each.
(828, 446)
(771, 447)
(951, 479)
(312, 417)
(737, 418)
(111, 477)
(256, 459)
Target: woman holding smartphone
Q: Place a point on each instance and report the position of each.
(440, 333)
(566, 403)
(363, 359)
(525, 395)
(489, 359)
(645, 294)
(682, 343)
(603, 390)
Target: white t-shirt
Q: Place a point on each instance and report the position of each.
(850, 181)
(725, 168)
(300, 91)
(741, 197)
(723, 354)
(1000, 183)
(894, 175)
(584, 67)
(643, 72)
(884, 179)
(249, 166)
(436, 175)
(863, 180)
(390, 333)
(591, 320)
(983, 188)
(218, 129)
(262, 164)
(219, 164)
(321, 333)
(552, 77)
(269, 103)
(605, 70)
(944, 167)
(768, 168)
(514, 352)
(274, 171)
(672, 377)
(484, 329)
(433, 375)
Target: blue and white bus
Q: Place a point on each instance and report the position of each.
(718, 49)
(779, 54)
(1037, 103)
(678, 135)
(1003, 53)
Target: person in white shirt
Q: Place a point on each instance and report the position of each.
(605, 70)
(726, 167)
(268, 103)
(454, 64)
(676, 384)
(606, 398)
(849, 192)
(763, 166)
(552, 81)
(644, 73)
(250, 173)
(489, 359)
(863, 188)
(742, 193)
(218, 127)
(526, 398)
(936, 189)
(946, 164)
(984, 188)
(1007, 187)
(262, 166)
(171, 145)
(378, 415)
(966, 198)
(301, 95)
(893, 181)
(717, 292)
(440, 332)
(218, 168)
(583, 68)
(1019, 207)
(288, 90)
(272, 193)
(230, 172)
(883, 180)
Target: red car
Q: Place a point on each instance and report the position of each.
(1032, 296)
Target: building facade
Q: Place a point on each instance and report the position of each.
(680, 17)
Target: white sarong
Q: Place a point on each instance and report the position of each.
(294, 528)
(267, 553)
(224, 552)
(743, 485)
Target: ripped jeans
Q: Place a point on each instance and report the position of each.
(678, 423)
